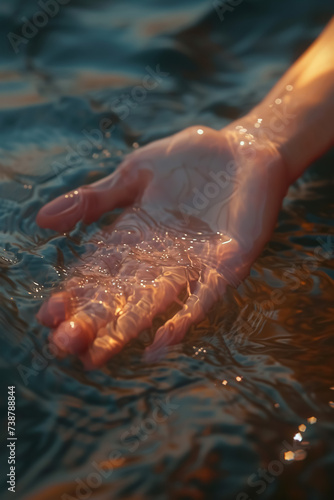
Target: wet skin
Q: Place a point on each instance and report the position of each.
(198, 208)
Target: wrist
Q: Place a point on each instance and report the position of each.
(259, 147)
(300, 132)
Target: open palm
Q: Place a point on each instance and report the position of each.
(200, 205)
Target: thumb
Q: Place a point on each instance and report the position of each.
(88, 203)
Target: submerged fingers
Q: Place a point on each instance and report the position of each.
(95, 320)
(137, 315)
(204, 295)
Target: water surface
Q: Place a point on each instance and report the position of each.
(216, 417)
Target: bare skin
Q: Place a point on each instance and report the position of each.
(199, 207)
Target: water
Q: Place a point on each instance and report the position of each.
(216, 417)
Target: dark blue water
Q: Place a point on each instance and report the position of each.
(217, 418)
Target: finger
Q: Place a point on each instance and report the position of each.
(76, 334)
(55, 310)
(88, 203)
(60, 305)
(149, 299)
(136, 315)
(101, 350)
(113, 337)
(205, 294)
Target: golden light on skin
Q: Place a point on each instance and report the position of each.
(289, 88)
(302, 428)
(200, 131)
(278, 101)
(312, 420)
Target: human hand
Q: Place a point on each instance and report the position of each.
(200, 205)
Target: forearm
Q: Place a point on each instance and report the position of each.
(298, 113)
